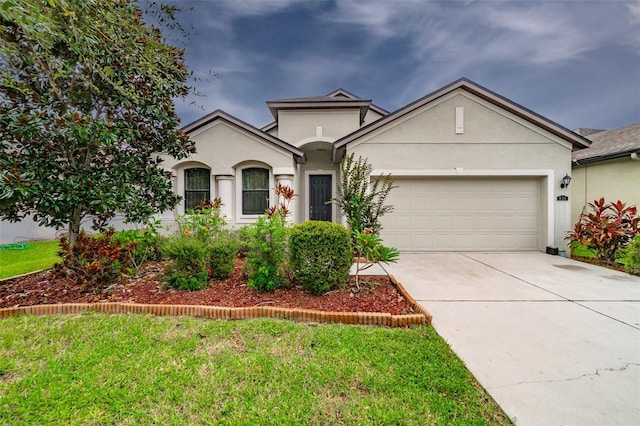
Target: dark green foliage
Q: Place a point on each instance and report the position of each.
(360, 198)
(266, 259)
(221, 253)
(95, 261)
(188, 270)
(320, 254)
(185, 281)
(87, 95)
(200, 248)
(147, 243)
(632, 257)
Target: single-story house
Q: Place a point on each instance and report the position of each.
(473, 170)
(610, 168)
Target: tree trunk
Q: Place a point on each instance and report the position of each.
(74, 226)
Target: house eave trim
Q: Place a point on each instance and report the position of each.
(362, 105)
(605, 157)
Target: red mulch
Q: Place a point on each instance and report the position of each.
(376, 294)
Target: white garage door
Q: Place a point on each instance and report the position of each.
(464, 214)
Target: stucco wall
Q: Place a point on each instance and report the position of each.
(318, 162)
(29, 230)
(221, 146)
(614, 180)
(370, 117)
(297, 126)
(225, 149)
(493, 141)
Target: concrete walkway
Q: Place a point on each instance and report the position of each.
(554, 341)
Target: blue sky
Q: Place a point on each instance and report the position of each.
(574, 62)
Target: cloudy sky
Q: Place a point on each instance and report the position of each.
(574, 62)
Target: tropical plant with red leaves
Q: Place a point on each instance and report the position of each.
(95, 261)
(606, 228)
(284, 195)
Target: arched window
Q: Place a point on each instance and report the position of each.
(255, 191)
(197, 187)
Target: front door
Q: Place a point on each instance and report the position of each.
(319, 194)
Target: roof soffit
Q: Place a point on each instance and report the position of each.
(320, 102)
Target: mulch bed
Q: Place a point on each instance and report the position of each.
(376, 293)
(594, 261)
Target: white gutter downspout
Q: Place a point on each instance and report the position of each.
(635, 156)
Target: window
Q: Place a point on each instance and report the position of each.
(197, 187)
(255, 190)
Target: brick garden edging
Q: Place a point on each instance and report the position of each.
(216, 312)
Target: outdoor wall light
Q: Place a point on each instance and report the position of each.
(566, 180)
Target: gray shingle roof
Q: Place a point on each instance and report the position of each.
(586, 132)
(610, 144)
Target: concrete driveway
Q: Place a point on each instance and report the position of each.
(554, 341)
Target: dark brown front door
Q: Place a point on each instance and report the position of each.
(319, 195)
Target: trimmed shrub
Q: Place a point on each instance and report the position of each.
(188, 270)
(320, 254)
(221, 253)
(632, 257)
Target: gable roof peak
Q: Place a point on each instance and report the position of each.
(340, 92)
(464, 83)
(298, 154)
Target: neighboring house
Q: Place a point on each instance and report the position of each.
(610, 168)
(474, 171)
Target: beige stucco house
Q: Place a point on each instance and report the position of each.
(610, 168)
(474, 171)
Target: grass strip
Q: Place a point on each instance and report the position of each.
(137, 369)
(38, 255)
(582, 251)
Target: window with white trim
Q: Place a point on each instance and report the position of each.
(255, 190)
(197, 187)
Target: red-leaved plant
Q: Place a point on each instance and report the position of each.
(95, 261)
(606, 229)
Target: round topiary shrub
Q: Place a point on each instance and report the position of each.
(320, 255)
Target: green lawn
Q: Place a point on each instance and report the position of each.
(38, 255)
(580, 250)
(137, 369)
(590, 255)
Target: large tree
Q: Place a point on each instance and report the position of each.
(87, 93)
